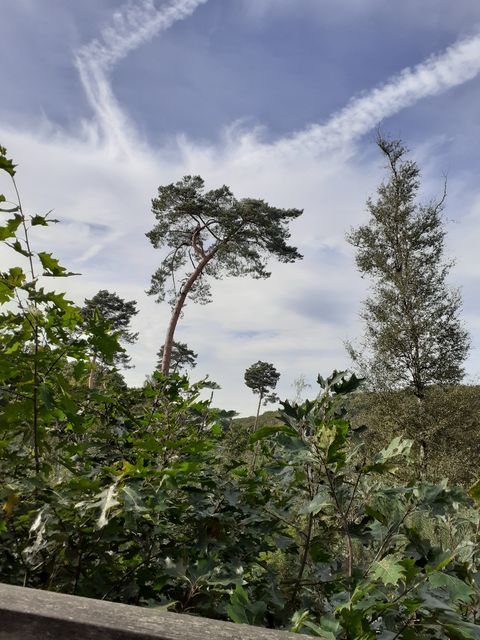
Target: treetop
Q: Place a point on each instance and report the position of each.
(197, 225)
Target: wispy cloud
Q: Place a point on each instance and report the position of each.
(136, 24)
(297, 170)
(455, 66)
(132, 26)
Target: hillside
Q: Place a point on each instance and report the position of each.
(446, 430)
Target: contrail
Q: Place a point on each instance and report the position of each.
(455, 66)
(136, 24)
(132, 26)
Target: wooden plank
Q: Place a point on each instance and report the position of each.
(31, 614)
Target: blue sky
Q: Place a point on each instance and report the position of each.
(103, 101)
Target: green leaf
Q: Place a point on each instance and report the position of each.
(266, 432)
(380, 467)
(11, 279)
(39, 220)
(346, 384)
(388, 570)
(355, 625)
(458, 629)
(8, 230)
(6, 164)
(133, 501)
(52, 267)
(474, 491)
(10, 209)
(46, 395)
(327, 629)
(237, 609)
(319, 502)
(398, 447)
(335, 451)
(458, 590)
(17, 246)
(237, 614)
(318, 631)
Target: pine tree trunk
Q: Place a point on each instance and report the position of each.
(258, 412)
(177, 310)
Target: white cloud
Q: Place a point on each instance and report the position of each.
(457, 65)
(109, 179)
(133, 25)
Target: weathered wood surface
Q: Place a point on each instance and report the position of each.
(30, 614)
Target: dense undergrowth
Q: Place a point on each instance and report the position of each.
(153, 497)
(445, 428)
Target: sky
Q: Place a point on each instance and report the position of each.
(104, 101)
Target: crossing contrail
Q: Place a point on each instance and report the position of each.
(136, 24)
(131, 27)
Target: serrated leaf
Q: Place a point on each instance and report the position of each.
(17, 246)
(335, 452)
(399, 446)
(388, 570)
(6, 164)
(13, 278)
(52, 267)
(8, 230)
(347, 384)
(39, 220)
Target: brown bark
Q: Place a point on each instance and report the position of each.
(177, 310)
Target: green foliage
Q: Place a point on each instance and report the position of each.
(128, 494)
(108, 308)
(211, 235)
(182, 357)
(445, 427)
(233, 237)
(378, 557)
(413, 335)
(261, 377)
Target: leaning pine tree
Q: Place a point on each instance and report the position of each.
(210, 235)
(413, 334)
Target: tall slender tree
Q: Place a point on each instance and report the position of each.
(210, 235)
(261, 378)
(413, 334)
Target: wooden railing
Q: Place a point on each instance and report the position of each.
(30, 614)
